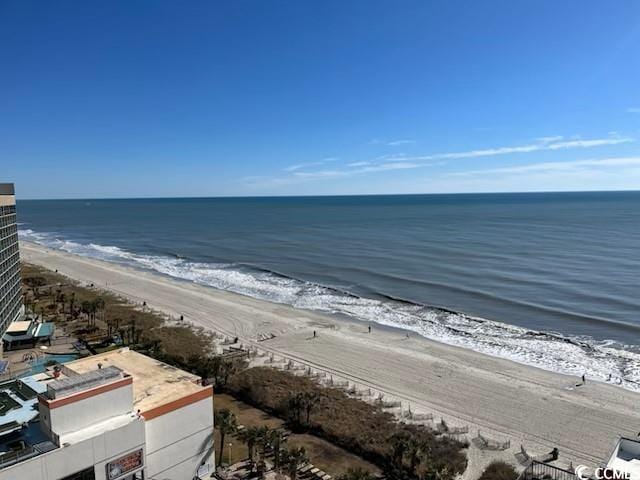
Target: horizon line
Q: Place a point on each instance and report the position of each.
(195, 197)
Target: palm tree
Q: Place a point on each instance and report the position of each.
(112, 325)
(226, 423)
(98, 306)
(263, 439)
(310, 401)
(250, 436)
(261, 468)
(296, 405)
(62, 300)
(292, 460)
(72, 302)
(275, 440)
(87, 308)
(134, 332)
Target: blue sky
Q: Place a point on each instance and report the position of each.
(156, 98)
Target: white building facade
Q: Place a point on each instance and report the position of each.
(115, 416)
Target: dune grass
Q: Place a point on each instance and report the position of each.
(60, 299)
(400, 450)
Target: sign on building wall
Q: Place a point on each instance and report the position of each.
(125, 464)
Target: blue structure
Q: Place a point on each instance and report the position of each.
(28, 332)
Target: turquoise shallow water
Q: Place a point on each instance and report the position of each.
(546, 279)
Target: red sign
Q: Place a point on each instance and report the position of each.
(125, 464)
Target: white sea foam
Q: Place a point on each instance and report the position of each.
(569, 355)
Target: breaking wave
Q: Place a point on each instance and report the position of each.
(604, 360)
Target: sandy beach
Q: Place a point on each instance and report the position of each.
(505, 400)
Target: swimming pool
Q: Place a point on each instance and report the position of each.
(40, 364)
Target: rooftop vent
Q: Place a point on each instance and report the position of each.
(77, 383)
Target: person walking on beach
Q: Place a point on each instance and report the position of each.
(369, 328)
(314, 334)
(584, 379)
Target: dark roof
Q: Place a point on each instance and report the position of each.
(7, 189)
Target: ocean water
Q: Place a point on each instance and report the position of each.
(551, 280)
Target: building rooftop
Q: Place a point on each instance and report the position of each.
(19, 327)
(154, 383)
(7, 189)
(28, 330)
(157, 388)
(20, 434)
(626, 457)
(18, 400)
(68, 385)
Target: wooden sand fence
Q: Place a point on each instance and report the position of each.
(485, 443)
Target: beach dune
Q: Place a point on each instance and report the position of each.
(504, 400)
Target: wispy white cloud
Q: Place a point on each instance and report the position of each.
(395, 143)
(550, 139)
(633, 110)
(304, 172)
(348, 172)
(541, 144)
(391, 157)
(392, 166)
(599, 163)
(610, 173)
(392, 143)
(300, 166)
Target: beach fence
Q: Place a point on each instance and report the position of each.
(315, 374)
(275, 361)
(524, 458)
(294, 367)
(387, 404)
(485, 443)
(444, 429)
(362, 392)
(367, 394)
(333, 383)
(409, 414)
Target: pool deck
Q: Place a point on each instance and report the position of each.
(18, 364)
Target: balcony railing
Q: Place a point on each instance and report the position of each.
(542, 471)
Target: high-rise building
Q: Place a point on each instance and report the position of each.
(10, 292)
